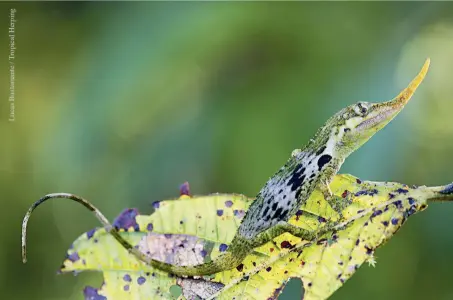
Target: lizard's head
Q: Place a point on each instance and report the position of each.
(351, 127)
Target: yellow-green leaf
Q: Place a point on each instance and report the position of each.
(203, 226)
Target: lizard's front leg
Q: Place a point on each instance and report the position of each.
(337, 203)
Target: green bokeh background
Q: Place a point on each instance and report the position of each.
(122, 102)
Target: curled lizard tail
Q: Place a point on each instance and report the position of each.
(235, 254)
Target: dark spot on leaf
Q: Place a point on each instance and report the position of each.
(90, 293)
(391, 196)
(274, 206)
(373, 192)
(126, 288)
(268, 269)
(298, 214)
(409, 212)
(220, 212)
(401, 191)
(411, 200)
(223, 247)
(376, 213)
(385, 223)
(360, 193)
(74, 256)
(90, 233)
(398, 204)
(323, 160)
(203, 253)
(228, 203)
(321, 220)
(358, 181)
(149, 227)
(345, 193)
(240, 267)
(369, 251)
(141, 280)
(309, 284)
(286, 245)
(357, 242)
(340, 263)
(126, 219)
(156, 204)
(239, 213)
(254, 264)
(184, 189)
(168, 235)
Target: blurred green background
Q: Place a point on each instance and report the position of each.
(122, 102)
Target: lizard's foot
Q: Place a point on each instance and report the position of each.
(309, 235)
(339, 204)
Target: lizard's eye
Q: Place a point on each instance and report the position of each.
(361, 108)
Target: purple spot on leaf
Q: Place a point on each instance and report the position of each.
(203, 253)
(156, 204)
(228, 203)
(184, 189)
(126, 288)
(127, 278)
(141, 280)
(239, 213)
(223, 247)
(91, 233)
(168, 235)
(74, 257)
(220, 212)
(127, 219)
(150, 227)
(90, 293)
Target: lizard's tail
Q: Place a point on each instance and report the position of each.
(226, 261)
(237, 251)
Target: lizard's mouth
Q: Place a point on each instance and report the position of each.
(382, 113)
(383, 117)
